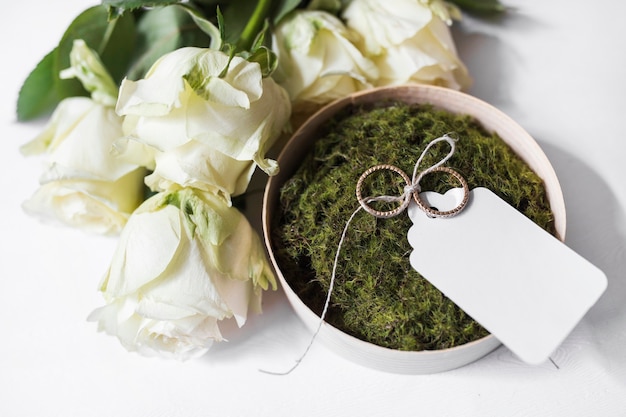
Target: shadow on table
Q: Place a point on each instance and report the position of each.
(487, 48)
(270, 341)
(596, 230)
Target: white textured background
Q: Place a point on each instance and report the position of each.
(556, 67)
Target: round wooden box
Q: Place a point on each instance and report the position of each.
(300, 144)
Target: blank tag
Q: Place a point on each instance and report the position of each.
(519, 282)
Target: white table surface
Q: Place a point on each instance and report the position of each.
(556, 67)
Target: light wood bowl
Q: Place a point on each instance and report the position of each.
(300, 144)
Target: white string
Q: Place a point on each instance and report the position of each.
(326, 303)
(418, 176)
(408, 191)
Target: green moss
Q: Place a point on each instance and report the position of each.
(378, 297)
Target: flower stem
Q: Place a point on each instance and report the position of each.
(253, 26)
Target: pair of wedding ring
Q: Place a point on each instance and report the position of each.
(411, 189)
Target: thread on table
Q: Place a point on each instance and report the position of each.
(405, 196)
(554, 363)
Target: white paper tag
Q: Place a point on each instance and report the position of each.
(519, 282)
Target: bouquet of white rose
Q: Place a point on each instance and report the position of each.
(163, 109)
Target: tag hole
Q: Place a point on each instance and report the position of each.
(443, 202)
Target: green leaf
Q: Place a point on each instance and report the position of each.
(115, 12)
(261, 53)
(117, 50)
(220, 23)
(265, 58)
(205, 25)
(330, 6)
(36, 96)
(283, 8)
(124, 5)
(164, 30)
(214, 3)
(259, 41)
(254, 25)
(480, 6)
(235, 19)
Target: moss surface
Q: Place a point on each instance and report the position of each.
(378, 297)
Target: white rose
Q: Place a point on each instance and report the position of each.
(197, 103)
(317, 60)
(84, 184)
(408, 41)
(197, 165)
(185, 261)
